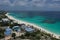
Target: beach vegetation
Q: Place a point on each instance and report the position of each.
(36, 35)
(1, 33)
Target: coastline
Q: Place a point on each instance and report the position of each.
(42, 29)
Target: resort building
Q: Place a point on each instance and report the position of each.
(16, 28)
(8, 33)
(28, 29)
(5, 19)
(23, 26)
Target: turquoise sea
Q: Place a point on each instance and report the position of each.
(41, 19)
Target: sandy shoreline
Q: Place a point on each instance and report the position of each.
(20, 21)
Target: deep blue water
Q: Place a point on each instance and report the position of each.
(40, 18)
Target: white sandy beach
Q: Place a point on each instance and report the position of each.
(42, 29)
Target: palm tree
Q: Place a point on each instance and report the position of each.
(1, 33)
(13, 35)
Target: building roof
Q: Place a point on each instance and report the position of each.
(16, 28)
(5, 19)
(8, 31)
(28, 29)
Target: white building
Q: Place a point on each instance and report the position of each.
(5, 19)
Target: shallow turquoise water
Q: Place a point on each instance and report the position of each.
(55, 28)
